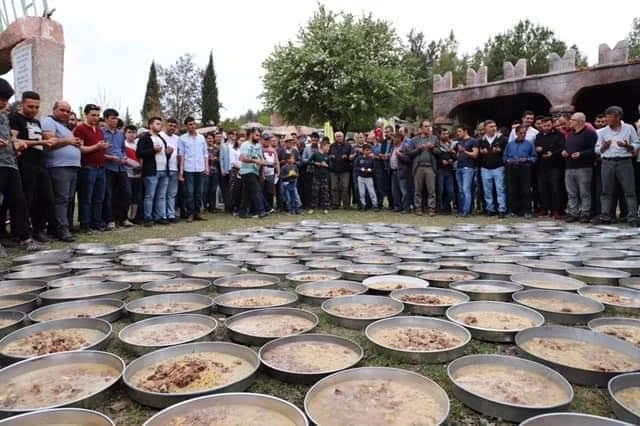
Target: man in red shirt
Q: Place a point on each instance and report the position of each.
(92, 178)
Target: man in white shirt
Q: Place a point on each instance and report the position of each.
(172, 139)
(193, 161)
(527, 121)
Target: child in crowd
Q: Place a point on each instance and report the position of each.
(133, 172)
(289, 176)
(363, 166)
(320, 182)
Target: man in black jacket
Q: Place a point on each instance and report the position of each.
(445, 177)
(340, 157)
(492, 146)
(549, 146)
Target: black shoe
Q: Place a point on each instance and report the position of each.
(634, 223)
(148, 223)
(585, 219)
(163, 222)
(173, 220)
(199, 217)
(189, 219)
(490, 214)
(571, 219)
(501, 215)
(66, 237)
(41, 237)
(88, 231)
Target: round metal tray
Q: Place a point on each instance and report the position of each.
(616, 308)
(104, 290)
(497, 271)
(630, 266)
(281, 271)
(546, 281)
(170, 321)
(414, 268)
(615, 385)
(576, 375)
(14, 319)
(444, 277)
(252, 339)
(89, 323)
(312, 275)
(595, 308)
(628, 322)
(204, 304)
(227, 284)
(211, 271)
(303, 290)
(75, 416)
(72, 281)
(15, 287)
(571, 419)
(548, 266)
(39, 273)
(223, 306)
(172, 286)
(163, 400)
(137, 279)
(173, 268)
(50, 256)
(490, 290)
(115, 308)
(327, 264)
(490, 334)
(20, 302)
(307, 377)
(631, 282)
(428, 309)
(358, 323)
(503, 409)
(416, 356)
(597, 276)
(402, 281)
(231, 400)
(359, 272)
(377, 259)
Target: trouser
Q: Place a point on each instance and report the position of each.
(250, 199)
(382, 182)
(596, 189)
(320, 191)
(340, 189)
(293, 199)
(91, 189)
(550, 189)
(64, 181)
(211, 191)
(400, 190)
(11, 188)
(193, 191)
(519, 189)
(535, 199)
(622, 171)
(444, 191)
(269, 192)
(636, 173)
(225, 190)
(235, 190)
(160, 198)
(38, 194)
(493, 179)
(619, 200)
(117, 196)
(366, 186)
(578, 185)
(465, 176)
(150, 187)
(477, 191)
(172, 193)
(424, 179)
(307, 188)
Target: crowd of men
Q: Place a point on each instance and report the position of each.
(123, 176)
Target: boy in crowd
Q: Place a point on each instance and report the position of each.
(320, 183)
(289, 176)
(364, 168)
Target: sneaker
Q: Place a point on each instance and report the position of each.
(310, 211)
(173, 220)
(162, 222)
(111, 226)
(41, 237)
(376, 210)
(432, 213)
(32, 245)
(126, 223)
(255, 216)
(189, 219)
(326, 212)
(272, 211)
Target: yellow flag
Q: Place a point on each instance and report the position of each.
(328, 131)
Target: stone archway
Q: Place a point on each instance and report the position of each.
(594, 100)
(503, 110)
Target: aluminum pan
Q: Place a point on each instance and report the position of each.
(281, 271)
(302, 277)
(73, 281)
(20, 302)
(251, 339)
(357, 323)
(597, 276)
(630, 322)
(564, 318)
(634, 295)
(154, 287)
(116, 307)
(225, 284)
(222, 301)
(137, 279)
(618, 383)
(490, 290)
(443, 277)
(14, 287)
(54, 416)
(210, 271)
(43, 273)
(571, 419)
(531, 280)
(423, 309)
(407, 282)
(204, 304)
(16, 319)
(359, 272)
(103, 290)
(305, 297)
(497, 271)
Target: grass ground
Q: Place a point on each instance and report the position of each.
(125, 412)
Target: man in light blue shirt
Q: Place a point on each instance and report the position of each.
(192, 155)
(118, 193)
(251, 158)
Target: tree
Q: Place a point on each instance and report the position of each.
(151, 106)
(341, 68)
(128, 121)
(525, 40)
(634, 39)
(181, 88)
(210, 102)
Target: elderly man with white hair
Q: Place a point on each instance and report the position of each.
(616, 145)
(340, 157)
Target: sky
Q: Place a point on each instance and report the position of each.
(110, 45)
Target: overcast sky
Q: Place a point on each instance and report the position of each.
(110, 44)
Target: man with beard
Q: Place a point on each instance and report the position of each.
(519, 156)
(252, 159)
(549, 146)
(446, 156)
(424, 168)
(579, 154)
(194, 165)
(340, 155)
(492, 172)
(118, 190)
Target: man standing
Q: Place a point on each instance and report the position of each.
(36, 182)
(63, 163)
(467, 149)
(549, 146)
(520, 156)
(381, 174)
(152, 152)
(616, 144)
(340, 167)
(492, 146)
(251, 158)
(528, 118)
(225, 170)
(192, 154)
(118, 191)
(307, 175)
(446, 156)
(579, 154)
(424, 168)
(172, 140)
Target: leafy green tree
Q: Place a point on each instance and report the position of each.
(634, 39)
(341, 68)
(151, 106)
(181, 88)
(210, 102)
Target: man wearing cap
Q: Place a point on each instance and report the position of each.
(289, 148)
(252, 159)
(193, 159)
(616, 144)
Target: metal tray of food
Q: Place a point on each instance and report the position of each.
(104, 290)
(312, 275)
(317, 292)
(361, 271)
(432, 332)
(49, 256)
(50, 372)
(318, 347)
(596, 374)
(630, 266)
(59, 416)
(253, 299)
(512, 406)
(299, 321)
(137, 279)
(103, 274)
(332, 263)
(497, 271)
(631, 282)
(165, 399)
(10, 321)
(99, 340)
(168, 304)
(241, 407)
(246, 282)
(176, 285)
(428, 301)
(20, 302)
(86, 264)
(571, 419)
(73, 281)
(443, 277)
(430, 403)
(385, 284)
(490, 290)
(282, 270)
(374, 259)
(135, 261)
(211, 271)
(414, 268)
(617, 300)
(14, 287)
(254, 263)
(560, 307)
(173, 268)
(627, 329)
(548, 266)
(624, 391)
(380, 307)
(46, 273)
(598, 276)
(106, 309)
(547, 281)
(132, 336)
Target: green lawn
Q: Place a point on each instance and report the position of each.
(125, 412)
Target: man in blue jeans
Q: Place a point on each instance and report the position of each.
(118, 191)
(192, 156)
(467, 149)
(172, 140)
(446, 156)
(492, 146)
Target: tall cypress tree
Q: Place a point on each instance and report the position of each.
(210, 102)
(151, 106)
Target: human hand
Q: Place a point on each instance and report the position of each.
(157, 148)
(169, 150)
(539, 149)
(181, 177)
(565, 154)
(575, 155)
